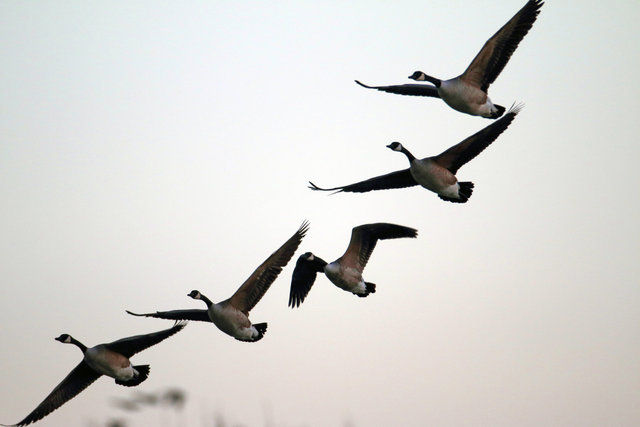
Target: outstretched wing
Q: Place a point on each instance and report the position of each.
(398, 179)
(411, 89)
(78, 379)
(252, 290)
(132, 345)
(364, 239)
(456, 156)
(495, 53)
(191, 314)
(304, 276)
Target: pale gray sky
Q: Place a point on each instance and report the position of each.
(152, 148)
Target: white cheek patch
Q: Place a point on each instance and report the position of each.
(67, 340)
(311, 257)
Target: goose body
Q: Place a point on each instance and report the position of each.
(468, 92)
(231, 316)
(436, 173)
(346, 271)
(433, 177)
(111, 359)
(110, 363)
(347, 278)
(235, 322)
(466, 97)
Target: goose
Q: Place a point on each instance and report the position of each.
(110, 359)
(435, 173)
(467, 93)
(346, 271)
(231, 316)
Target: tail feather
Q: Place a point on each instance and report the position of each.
(261, 328)
(464, 192)
(143, 373)
(498, 113)
(370, 288)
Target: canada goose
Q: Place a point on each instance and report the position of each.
(346, 271)
(435, 173)
(110, 359)
(468, 92)
(231, 316)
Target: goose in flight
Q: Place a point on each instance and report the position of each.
(231, 316)
(468, 92)
(437, 173)
(110, 359)
(346, 271)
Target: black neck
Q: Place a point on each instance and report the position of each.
(408, 154)
(319, 264)
(206, 300)
(78, 344)
(436, 82)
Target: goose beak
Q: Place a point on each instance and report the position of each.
(389, 146)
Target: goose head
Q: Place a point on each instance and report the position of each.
(422, 77)
(418, 76)
(395, 146)
(195, 294)
(316, 262)
(65, 338)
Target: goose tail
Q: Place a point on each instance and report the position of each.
(498, 112)
(261, 328)
(143, 374)
(370, 288)
(465, 190)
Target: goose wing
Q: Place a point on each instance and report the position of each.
(398, 179)
(304, 276)
(495, 53)
(132, 345)
(456, 156)
(252, 290)
(78, 379)
(190, 314)
(411, 89)
(364, 239)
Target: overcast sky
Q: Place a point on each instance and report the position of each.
(150, 148)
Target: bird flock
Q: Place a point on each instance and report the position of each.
(466, 93)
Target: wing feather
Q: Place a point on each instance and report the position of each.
(189, 314)
(364, 239)
(135, 344)
(253, 289)
(303, 278)
(455, 157)
(410, 89)
(496, 52)
(77, 380)
(397, 179)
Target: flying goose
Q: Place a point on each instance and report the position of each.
(231, 316)
(346, 271)
(435, 173)
(110, 359)
(468, 92)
